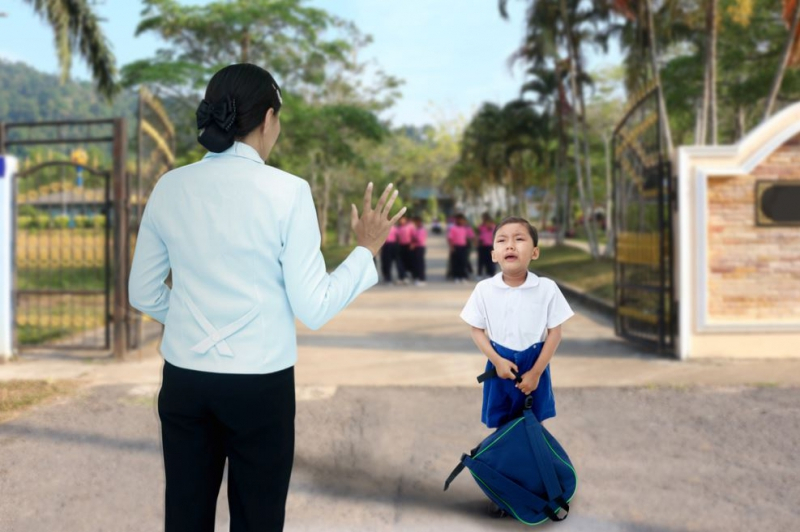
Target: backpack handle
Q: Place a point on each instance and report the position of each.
(492, 373)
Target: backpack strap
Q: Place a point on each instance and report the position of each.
(492, 373)
(459, 468)
(541, 452)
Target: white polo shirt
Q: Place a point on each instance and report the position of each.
(516, 317)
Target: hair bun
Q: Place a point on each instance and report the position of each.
(215, 122)
(215, 139)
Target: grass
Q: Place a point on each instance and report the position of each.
(62, 279)
(575, 267)
(19, 395)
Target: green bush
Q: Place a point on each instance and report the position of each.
(82, 221)
(42, 221)
(29, 210)
(61, 221)
(24, 222)
(98, 221)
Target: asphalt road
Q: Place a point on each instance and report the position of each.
(374, 459)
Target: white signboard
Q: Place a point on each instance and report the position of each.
(8, 167)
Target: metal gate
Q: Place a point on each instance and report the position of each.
(642, 218)
(70, 244)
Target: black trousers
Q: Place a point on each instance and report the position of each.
(485, 264)
(208, 417)
(419, 263)
(388, 257)
(405, 265)
(460, 261)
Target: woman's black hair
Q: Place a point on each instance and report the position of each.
(236, 101)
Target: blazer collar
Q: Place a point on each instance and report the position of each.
(239, 149)
(531, 281)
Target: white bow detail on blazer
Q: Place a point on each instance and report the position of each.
(243, 242)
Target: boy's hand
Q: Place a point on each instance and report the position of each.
(504, 368)
(530, 381)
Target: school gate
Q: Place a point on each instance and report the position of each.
(68, 285)
(642, 220)
(75, 221)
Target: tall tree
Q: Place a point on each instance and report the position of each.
(77, 27)
(282, 35)
(791, 51)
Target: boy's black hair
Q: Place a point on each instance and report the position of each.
(236, 101)
(518, 220)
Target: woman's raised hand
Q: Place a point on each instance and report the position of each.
(373, 226)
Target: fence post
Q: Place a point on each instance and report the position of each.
(121, 265)
(8, 167)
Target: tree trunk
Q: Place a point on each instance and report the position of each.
(609, 251)
(787, 53)
(326, 202)
(662, 104)
(741, 123)
(342, 220)
(245, 45)
(705, 123)
(585, 133)
(522, 201)
(582, 195)
(711, 62)
(699, 121)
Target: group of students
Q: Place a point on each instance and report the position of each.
(461, 237)
(405, 250)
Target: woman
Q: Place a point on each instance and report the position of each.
(243, 244)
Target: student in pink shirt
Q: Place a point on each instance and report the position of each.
(405, 261)
(485, 242)
(389, 254)
(457, 237)
(419, 240)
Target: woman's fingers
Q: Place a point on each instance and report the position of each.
(388, 208)
(382, 199)
(368, 199)
(397, 216)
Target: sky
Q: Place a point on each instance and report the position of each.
(452, 54)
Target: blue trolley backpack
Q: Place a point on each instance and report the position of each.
(522, 468)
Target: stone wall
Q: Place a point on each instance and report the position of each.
(753, 272)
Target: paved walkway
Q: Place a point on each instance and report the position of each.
(387, 401)
(412, 336)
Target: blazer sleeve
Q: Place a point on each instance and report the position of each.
(147, 291)
(314, 295)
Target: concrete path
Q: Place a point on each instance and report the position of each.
(412, 336)
(387, 402)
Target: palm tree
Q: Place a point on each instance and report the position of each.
(791, 54)
(557, 28)
(77, 27)
(641, 38)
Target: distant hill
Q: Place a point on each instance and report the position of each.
(29, 95)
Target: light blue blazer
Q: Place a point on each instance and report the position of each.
(243, 243)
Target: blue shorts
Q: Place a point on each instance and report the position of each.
(502, 401)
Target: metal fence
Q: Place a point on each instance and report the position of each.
(643, 192)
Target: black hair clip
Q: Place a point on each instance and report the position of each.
(222, 113)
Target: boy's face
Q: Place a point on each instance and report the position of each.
(513, 248)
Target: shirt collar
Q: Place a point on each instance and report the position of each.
(238, 149)
(531, 281)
